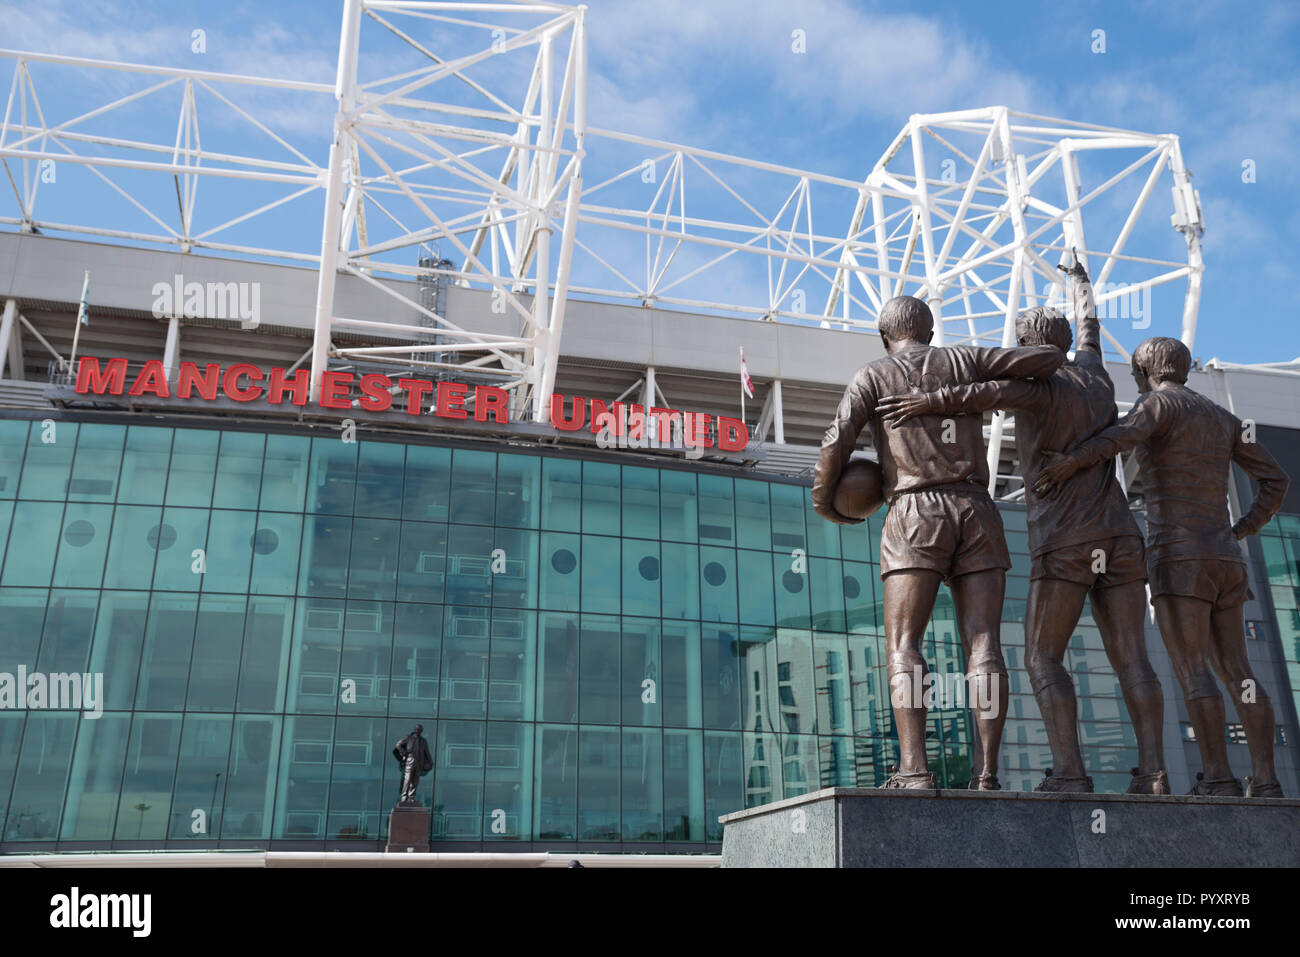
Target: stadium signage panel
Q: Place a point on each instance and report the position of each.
(245, 382)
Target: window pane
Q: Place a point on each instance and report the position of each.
(473, 486)
(326, 541)
(639, 683)
(314, 656)
(683, 786)
(428, 480)
(508, 790)
(861, 604)
(275, 553)
(367, 656)
(557, 666)
(49, 461)
(134, 546)
(201, 778)
(254, 755)
(680, 581)
(640, 502)
(721, 697)
(723, 776)
(41, 776)
(239, 470)
(831, 676)
(787, 518)
(13, 446)
(214, 665)
(231, 540)
(331, 487)
(183, 530)
(519, 500)
(119, 637)
(262, 667)
(33, 562)
(717, 525)
(600, 498)
(144, 466)
(826, 589)
(356, 799)
(417, 656)
(598, 784)
(823, 536)
(469, 564)
(760, 768)
(640, 577)
(796, 699)
(11, 736)
(96, 780)
(559, 566)
(600, 574)
(753, 518)
(678, 516)
(422, 561)
(555, 803)
(562, 495)
(193, 465)
(514, 570)
(82, 546)
(302, 794)
(165, 663)
(98, 463)
(458, 781)
(790, 578)
(679, 688)
(599, 670)
(380, 472)
(642, 785)
(513, 669)
(800, 773)
(23, 611)
(284, 476)
(69, 624)
(372, 568)
(717, 584)
(465, 646)
(147, 782)
(754, 585)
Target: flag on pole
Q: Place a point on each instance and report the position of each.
(746, 382)
(83, 311)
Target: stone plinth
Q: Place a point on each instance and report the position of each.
(408, 828)
(869, 827)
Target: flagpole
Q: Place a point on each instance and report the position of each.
(81, 316)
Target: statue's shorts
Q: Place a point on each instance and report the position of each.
(1100, 564)
(1222, 582)
(953, 530)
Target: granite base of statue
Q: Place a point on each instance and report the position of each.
(408, 829)
(876, 827)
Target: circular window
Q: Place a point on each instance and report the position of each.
(714, 573)
(649, 568)
(265, 541)
(851, 587)
(162, 537)
(79, 533)
(563, 561)
(793, 582)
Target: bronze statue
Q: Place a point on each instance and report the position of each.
(1185, 445)
(412, 753)
(942, 524)
(1083, 541)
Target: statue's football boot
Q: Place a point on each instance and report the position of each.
(1225, 787)
(1058, 785)
(1153, 782)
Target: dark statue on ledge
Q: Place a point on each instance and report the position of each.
(412, 754)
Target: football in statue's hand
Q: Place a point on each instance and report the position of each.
(860, 490)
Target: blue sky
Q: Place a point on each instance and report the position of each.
(720, 74)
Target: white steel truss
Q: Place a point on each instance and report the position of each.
(972, 210)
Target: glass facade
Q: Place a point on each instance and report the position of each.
(1279, 541)
(603, 655)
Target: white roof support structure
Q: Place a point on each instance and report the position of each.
(480, 149)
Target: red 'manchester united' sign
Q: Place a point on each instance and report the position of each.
(244, 382)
